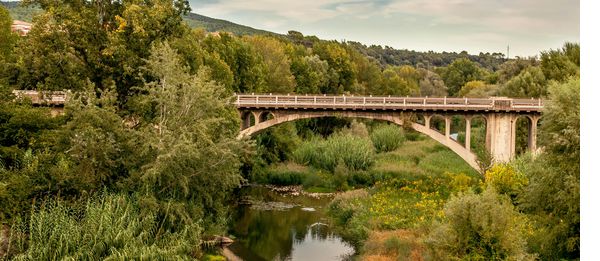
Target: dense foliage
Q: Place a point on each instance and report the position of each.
(144, 157)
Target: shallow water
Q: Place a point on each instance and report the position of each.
(281, 226)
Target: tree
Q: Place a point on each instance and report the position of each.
(311, 74)
(192, 136)
(559, 64)
(342, 70)
(278, 77)
(512, 68)
(530, 83)
(431, 84)
(7, 38)
(246, 65)
(477, 89)
(402, 80)
(104, 42)
(460, 72)
(552, 195)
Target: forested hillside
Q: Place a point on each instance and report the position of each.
(144, 163)
(384, 55)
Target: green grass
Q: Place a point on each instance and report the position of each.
(412, 184)
(108, 227)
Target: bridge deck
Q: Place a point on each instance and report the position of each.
(323, 102)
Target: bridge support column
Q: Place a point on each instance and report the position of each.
(427, 119)
(501, 136)
(532, 138)
(468, 133)
(447, 128)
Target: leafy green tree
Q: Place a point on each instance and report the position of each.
(342, 71)
(278, 77)
(514, 67)
(431, 84)
(368, 73)
(461, 71)
(311, 74)
(559, 64)
(192, 136)
(478, 89)
(7, 38)
(530, 83)
(103, 151)
(194, 55)
(276, 144)
(403, 80)
(246, 65)
(104, 42)
(552, 196)
(48, 59)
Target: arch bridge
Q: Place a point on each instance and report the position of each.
(259, 112)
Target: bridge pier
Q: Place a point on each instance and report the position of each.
(532, 138)
(468, 133)
(501, 129)
(447, 126)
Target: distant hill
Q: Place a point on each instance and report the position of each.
(217, 25)
(193, 20)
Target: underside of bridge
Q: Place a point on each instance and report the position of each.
(499, 137)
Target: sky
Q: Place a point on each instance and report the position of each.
(526, 26)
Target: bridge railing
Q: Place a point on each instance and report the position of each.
(43, 98)
(58, 98)
(389, 102)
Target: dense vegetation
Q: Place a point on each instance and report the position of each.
(144, 158)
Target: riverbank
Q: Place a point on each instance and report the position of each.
(385, 211)
(285, 223)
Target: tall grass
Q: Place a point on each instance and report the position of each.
(110, 227)
(355, 153)
(387, 138)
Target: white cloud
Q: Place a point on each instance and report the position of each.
(309, 11)
(489, 23)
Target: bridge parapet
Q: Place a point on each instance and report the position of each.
(325, 102)
(44, 98)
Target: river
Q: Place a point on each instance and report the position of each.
(271, 225)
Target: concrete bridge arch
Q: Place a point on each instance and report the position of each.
(397, 118)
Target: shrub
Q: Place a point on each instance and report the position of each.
(505, 179)
(387, 138)
(480, 227)
(460, 182)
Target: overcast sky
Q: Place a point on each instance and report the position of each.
(528, 26)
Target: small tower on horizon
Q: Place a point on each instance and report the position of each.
(507, 52)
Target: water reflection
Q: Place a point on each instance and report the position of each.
(284, 230)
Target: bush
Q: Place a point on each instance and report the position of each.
(480, 227)
(387, 138)
(505, 179)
